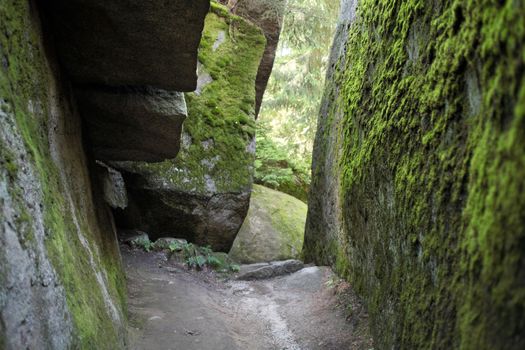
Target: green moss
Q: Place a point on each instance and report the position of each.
(85, 299)
(432, 171)
(25, 78)
(7, 160)
(220, 121)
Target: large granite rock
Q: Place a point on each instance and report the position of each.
(324, 218)
(273, 229)
(129, 43)
(419, 171)
(203, 195)
(162, 209)
(61, 280)
(132, 124)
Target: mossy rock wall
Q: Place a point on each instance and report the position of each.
(61, 282)
(203, 195)
(418, 182)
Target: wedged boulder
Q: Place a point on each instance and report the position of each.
(273, 229)
(203, 195)
(129, 43)
(162, 209)
(132, 124)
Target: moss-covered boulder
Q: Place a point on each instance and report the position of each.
(203, 195)
(418, 182)
(273, 229)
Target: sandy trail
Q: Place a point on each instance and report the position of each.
(173, 308)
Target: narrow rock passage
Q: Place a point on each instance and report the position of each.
(171, 307)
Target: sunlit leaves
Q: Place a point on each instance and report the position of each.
(294, 92)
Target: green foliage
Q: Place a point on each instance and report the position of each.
(293, 95)
(274, 168)
(213, 261)
(175, 246)
(288, 118)
(197, 262)
(309, 24)
(270, 9)
(197, 257)
(142, 242)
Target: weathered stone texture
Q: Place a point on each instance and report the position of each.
(129, 43)
(128, 62)
(269, 17)
(324, 219)
(132, 124)
(418, 177)
(61, 283)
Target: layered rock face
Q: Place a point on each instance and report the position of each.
(61, 282)
(203, 195)
(418, 176)
(128, 62)
(273, 229)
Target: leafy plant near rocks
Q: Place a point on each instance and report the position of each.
(193, 256)
(142, 242)
(176, 246)
(200, 257)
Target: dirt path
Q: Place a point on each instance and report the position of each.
(173, 308)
